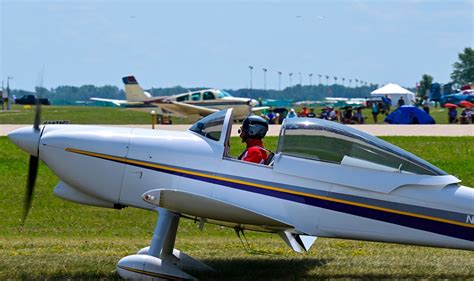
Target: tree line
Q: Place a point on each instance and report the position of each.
(463, 73)
(71, 94)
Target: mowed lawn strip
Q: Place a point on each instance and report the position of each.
(81, 115)
(119, 116)
(64, 240)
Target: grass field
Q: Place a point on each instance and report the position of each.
(114, 115)
(80, 115)
(63, 240)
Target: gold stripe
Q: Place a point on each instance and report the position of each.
(268, 187)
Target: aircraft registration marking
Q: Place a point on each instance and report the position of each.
(470, 219)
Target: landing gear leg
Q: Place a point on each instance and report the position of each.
(164, 236)
(159, 262)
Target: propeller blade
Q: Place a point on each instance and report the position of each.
(30, 185)
(34, 160)
(37, 120)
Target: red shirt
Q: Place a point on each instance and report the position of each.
(255, 152)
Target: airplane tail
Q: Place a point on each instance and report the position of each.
(133, 91)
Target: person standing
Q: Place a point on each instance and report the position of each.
(375, 111)
(452, 115)
(426, 104)
(401, 101)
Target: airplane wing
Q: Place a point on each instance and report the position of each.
(205, 207)
(156, 99)
(116, 102)
(185, 109)
(194, 206)
(260, 108)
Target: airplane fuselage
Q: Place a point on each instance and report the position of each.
(114, 167)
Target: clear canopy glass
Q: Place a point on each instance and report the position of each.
(210, 126)
(223, 94)
(332, 142)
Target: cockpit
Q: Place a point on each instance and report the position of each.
(325, 141)
(331, 142)
(198, 96)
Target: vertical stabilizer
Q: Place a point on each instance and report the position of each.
(133, 91)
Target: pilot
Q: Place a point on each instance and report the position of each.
(253, 130)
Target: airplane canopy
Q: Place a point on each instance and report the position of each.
(328, 141)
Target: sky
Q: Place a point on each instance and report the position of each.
(213, 43)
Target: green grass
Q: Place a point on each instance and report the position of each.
(80, 115)
(114, 115)
(63, 240)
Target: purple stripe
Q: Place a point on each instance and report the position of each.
(457, 231)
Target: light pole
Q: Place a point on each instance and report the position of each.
(264, 79)
(4, 94)
(327, 80)
(310, 79)
(335, 80)
(279, 80)
(8, 92)
(301, 82)
(250, 68)
(343, 79)
(356, 80)
(290, 74)
(350, 81)
(319, 81)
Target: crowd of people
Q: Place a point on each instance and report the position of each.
(466, 116)
(346, 115)
(354, 115)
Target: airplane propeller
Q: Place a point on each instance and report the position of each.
(33, 164)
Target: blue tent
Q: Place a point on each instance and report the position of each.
(409, 114)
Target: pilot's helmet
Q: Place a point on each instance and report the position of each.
(255, 126)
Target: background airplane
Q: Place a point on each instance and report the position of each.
(192, 105)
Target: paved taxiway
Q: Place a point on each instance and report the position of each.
(451, 130)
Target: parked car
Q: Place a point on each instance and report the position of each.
(31, 99)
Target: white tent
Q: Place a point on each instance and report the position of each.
(394, 91)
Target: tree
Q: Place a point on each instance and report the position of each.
(425, 84)
(463, 72)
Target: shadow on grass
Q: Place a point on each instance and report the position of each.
(298, 269)
(259, 269)
(71, 276)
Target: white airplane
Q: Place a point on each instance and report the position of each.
(194, 105)
(325, 180)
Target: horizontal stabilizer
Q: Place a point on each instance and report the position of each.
(115, 102)
(205, 207)
(260, 108)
